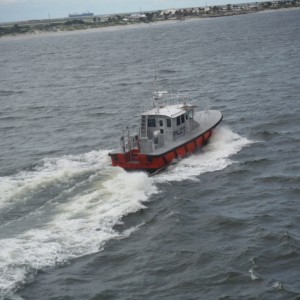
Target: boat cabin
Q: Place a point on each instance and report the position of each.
(165, 125)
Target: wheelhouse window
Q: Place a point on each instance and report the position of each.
(161, 123)
(182, 119)
(178, 121)
(151, 123)
(190, 113)
(169, 123)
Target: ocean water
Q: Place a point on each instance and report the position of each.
(220, 224)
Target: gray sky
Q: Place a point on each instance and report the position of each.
(17, 10)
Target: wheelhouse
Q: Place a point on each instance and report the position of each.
(166, 124)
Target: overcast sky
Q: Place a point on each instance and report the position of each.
(17, 10)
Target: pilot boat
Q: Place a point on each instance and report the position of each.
(168, 132)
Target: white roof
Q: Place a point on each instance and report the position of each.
(171, 111)
(138, 16)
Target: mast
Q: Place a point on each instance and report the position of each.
(156, 96)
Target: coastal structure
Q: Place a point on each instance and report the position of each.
(85, 14)
(137, 16)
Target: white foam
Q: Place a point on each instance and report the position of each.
(81, 226)
(214, 157)
(252, 275)
(277, 285)
(83, 223)
(50, 171)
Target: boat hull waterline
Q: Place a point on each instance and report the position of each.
(135, 160)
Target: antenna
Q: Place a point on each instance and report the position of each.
(156, 96)
(171, 88)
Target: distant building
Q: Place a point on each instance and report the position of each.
(137, 16)
(86, 14)
(170, 11)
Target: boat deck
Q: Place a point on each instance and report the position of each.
(207, 119)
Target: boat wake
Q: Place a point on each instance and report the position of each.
(49, 172)
(78, 226)
(67, 207)
(214, 157)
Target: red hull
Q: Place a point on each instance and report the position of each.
(133, 160)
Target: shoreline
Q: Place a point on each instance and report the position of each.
(35, 33)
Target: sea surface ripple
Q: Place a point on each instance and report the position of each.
(220, 224)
